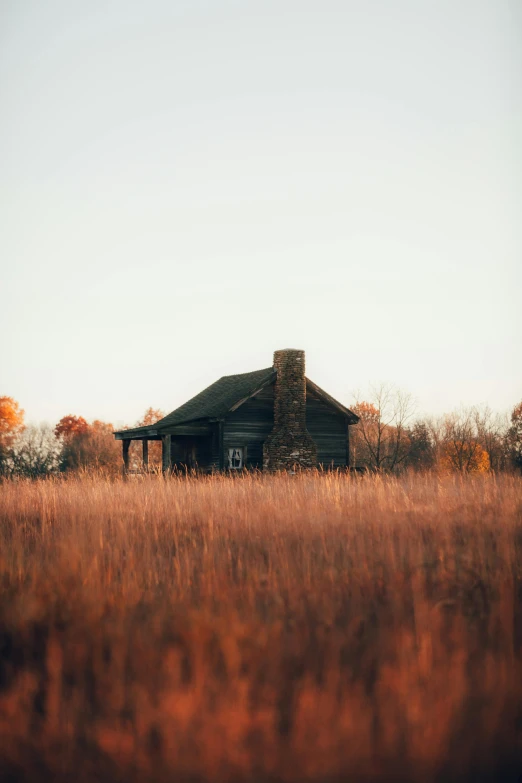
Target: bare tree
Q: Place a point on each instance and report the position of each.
(491, 431)
(514, 437)
(36, 452)
(422, 449)
(381, 439)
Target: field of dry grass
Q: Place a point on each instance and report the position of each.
(309, 628)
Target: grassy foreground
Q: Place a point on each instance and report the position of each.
(309, 628)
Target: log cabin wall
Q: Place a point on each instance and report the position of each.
(191, 452)
(216, 446)
(249, 426)
(328, 429)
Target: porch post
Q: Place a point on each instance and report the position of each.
(125, 452)
(220, 445)
(166, 459)
(348, 446)
(145, 453)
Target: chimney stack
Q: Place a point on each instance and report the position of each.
(289, 444)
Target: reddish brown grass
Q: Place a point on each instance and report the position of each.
(309, 628)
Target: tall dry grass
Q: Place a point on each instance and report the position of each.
(309, 628)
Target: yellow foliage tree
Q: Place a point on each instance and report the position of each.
(468, 457)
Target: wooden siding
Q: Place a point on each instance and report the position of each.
(191, 452)
(250, 425)
(216, 447)
(328, 428)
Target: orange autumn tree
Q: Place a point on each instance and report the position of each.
(151, 416)
(87, 446)
(11, 426)
(103, 451)
(72, 430)
(70, 427)
(11, 421)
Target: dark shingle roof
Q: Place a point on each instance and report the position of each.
(217, 399)
(214, 401)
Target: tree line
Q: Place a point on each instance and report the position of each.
(72, 444)
(389, 438)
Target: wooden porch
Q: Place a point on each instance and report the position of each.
(183, 447)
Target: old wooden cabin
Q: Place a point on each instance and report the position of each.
(271, 419)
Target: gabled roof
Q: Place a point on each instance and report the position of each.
(214, 401)
(217, 399)
(226, 394)
(350, 415)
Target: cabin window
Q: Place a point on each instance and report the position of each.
(235, 458)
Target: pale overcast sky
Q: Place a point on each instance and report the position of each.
(186, 186)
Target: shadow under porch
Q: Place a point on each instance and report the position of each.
(189, 447)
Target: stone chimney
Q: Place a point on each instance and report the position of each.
(289, 444)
